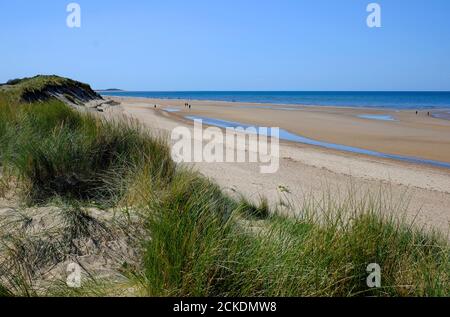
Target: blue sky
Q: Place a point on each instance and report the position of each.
(231, 44)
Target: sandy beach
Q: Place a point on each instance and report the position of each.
(307, 171)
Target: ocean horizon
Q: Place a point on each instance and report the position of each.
(386, 100)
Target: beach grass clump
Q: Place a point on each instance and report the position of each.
(60, 152)
(187, 224)
(257, 211)
(15, 285)
(195, 251)
(412, 262)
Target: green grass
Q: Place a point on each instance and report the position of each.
(197, 251)
(197, 241)
(260, 211)
(59, 152)
(43, 87)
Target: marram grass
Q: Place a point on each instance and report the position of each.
(204, 245)
(60, 152)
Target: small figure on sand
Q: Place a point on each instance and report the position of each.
(189, 106)
(155, 106)
(417, 112)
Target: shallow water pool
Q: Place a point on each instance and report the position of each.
(288, 136)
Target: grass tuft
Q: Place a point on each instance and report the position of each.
(60, 152)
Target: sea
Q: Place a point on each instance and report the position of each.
(384, 100)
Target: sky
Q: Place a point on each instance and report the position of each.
(179, 45)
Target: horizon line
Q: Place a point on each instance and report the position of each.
(171, 91)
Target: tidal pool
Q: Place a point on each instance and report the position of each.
(288, 136)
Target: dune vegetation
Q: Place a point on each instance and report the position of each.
(110, 191)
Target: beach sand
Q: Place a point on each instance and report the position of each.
(309, 172)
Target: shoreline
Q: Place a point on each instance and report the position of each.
(415, 137)
(298, 105)
(312, 172)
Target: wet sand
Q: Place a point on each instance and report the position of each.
(410, 135)
(309, 171)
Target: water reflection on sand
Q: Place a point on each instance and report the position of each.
(288, 136)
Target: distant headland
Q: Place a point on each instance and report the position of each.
(110, 90)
